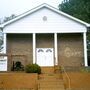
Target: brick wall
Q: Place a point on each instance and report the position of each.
(20, 46)
(70, 48)
(45, 41)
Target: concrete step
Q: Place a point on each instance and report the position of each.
(47, 69)
(50, 81)
(51, 89)
(51, 86)
(50, 76)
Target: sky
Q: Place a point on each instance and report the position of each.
(9, 7)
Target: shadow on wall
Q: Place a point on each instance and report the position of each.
(17, 66)
(88, 60)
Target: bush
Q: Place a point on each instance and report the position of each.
(85, 69)
(32, 68)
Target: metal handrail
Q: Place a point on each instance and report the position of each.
(69, 81)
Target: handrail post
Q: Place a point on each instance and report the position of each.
(69, 81)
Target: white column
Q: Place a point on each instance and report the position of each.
(56, 48)
(34, 48)
(85, 49)
(4, 42)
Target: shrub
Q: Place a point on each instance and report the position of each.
(85, 69)
(32, 68)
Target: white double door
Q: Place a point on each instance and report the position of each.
(45, 56)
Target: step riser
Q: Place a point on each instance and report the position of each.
(47, 70)
(50, 80)
(52, 83)
(52, 87)
(41, 84)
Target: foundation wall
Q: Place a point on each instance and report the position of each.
(18, 81)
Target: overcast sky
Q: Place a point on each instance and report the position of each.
(8, 7)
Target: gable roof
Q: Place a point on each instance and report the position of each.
(40, 7)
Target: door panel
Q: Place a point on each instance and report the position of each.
(45, 56)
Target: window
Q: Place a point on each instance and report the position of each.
(48, 50)
(40, 50)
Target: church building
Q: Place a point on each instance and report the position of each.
(45, 36)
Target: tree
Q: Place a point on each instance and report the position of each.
(1, 35)
(7, 18)
(77, 8)
(1, 41)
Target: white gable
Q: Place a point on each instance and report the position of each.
(55, 23)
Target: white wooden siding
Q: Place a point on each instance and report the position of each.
(55, 23)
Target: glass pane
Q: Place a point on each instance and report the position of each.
(40, 50)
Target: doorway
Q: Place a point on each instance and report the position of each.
(45, 56)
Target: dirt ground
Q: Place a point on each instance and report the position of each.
(79, 79)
